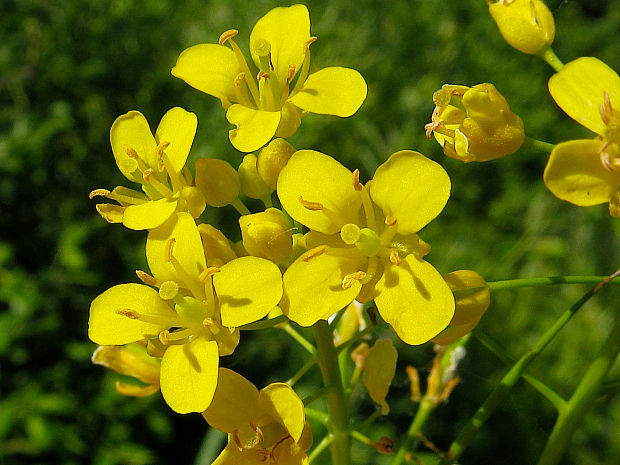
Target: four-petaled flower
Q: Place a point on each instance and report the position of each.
(192, 319)
(587, 172)
(272, 100)
(158, 164)
(363, 243)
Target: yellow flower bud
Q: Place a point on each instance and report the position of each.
(218, 181)
(351, 322)
(252, 184)
(379, 371)
(271, 160)
(474, 123)
(194, 199)
(267, 234)
(472, 298)
(527, 25)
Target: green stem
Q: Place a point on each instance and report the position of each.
(318, 415)
(327, 440)
(240, 207)
(552, 59)
(264, 324)
(538, 145)
(551, 280)
(302, 371)
(336, 403)
(424, 411)
(474, 425)
(582, 400)
(302, 341)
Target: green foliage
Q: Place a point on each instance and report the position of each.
(68, 69)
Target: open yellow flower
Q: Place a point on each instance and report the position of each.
(363, 243)
(587, 172)
(272, 100)
(157, 162)
(264, 427)
(192, 318)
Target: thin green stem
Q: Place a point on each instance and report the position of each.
(318, 394)
(302, 341)
(552, 59)
(424, 410)
(264, 324)
(551, 280)
(240, 207)
(474, 425)
(362, 438)
(318, 415)
(582, 400)
(302, 371)
(354, 339)
(538, 145)
(321, 446)
(336, 403)
(550, 394)
(368, 421)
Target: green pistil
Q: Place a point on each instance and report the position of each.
(368, 243)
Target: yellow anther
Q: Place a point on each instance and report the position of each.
(206, 274)
(414, 379)
(163, 337)
(606, 109)
(352, 278)
(290, 73)
(262, 74)
(310, 41)
(162, 146)
(258, 431)
(239, 80)
(147, 174)
(146, 278)
(390, 220)
(99, 192)
(211, 325)
(169, 248)
(394, 257)
(315, 206)
(357, 185)
(227, 35)
(128, 313)
(130, 151)
(310, 254)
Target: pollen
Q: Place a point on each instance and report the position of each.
(130, 151)
(169, 248)
(390, 220)
(310, 41)
(262, 74)
(352, 278)
(99, 192)
(290, 73)
(227, 35)
(146, 278)
(147, 174)
(394, 257)
(206, 274)
(315, 206)
(128, 313)
(314, 253)
(357, 185)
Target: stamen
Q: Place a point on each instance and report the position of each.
(290, 73)
(357, 185)
(241, 91)
(314, 206)
(130, 151)
(268, 91)
(148, 176)
(148, 318)
(169, 247)
(258, 431)
(352, 278)
(317, 251)
(606, 109)
(147, 278)
(305, 67)
(394, 257)
(227, 35)
(132, 314)
(206, 274)
(390, 220)
(210, 324)
(99, 192)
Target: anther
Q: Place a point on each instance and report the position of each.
(147, 174)
(227, 35)
(169, 247)
(390, 220)
(394, 257)
(239, 80)
(210, 324)
(130, 151)
(606, 109)
(352, 278)
(310, 41)
(99, 192)
(357, 185)
(315, 206)
(162, 146)
(128, 313)
(314, 253)
(146, 278)
(262, 74)
(290, 73)
(206, 274)
(163, 337)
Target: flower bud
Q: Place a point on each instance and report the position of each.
(472, 298)
(474, 123)
(252, 184)
(267, 234)
(379, 371)
(271, 160)
(194, 199)
(218, 181)
(527, 25)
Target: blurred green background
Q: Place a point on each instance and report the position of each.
(68, 68)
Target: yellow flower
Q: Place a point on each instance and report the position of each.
(264, 427)
(158, 164)
(363, 242)
(272, 100)
(192, 318)
(474, 123)
(587, 172)
(527, 25)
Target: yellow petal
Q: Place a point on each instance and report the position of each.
(178, 128)
(470, 304)
(217, 248)
(579, 90)
(280, 402)
(148, 215)
(411, 188)
(189, 375)
(254, 127)
(318, 178)
(287, 30)
(414, 299)
(247, 289)
(576, 174)
(111, 213)
(131, 131)
(332, 91)
(187, 251)
(313, 288)
(130, 360)
(210, 68)
(452, 333)
(235, 403)
(379, 371)
(109, 323)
